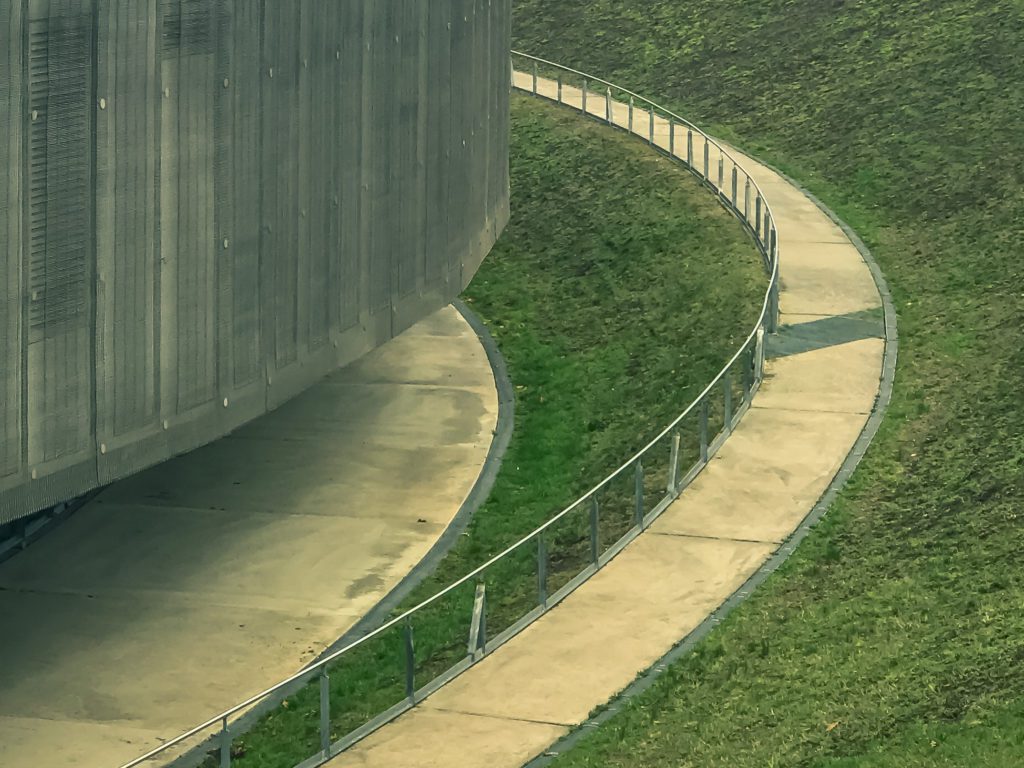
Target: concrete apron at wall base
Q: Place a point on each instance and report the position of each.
(810, 411)
(179, 592)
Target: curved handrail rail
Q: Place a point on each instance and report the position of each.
(765, 236)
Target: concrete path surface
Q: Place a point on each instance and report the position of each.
(516, 702)
(184, 590)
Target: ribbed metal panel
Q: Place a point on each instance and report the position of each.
(11, 242)
(209, 204)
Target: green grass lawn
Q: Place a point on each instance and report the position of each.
(618, 291)
(895, 636)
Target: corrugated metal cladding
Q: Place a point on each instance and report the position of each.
(206, 205)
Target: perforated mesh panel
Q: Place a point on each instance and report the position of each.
(60, 70)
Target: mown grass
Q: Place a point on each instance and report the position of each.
(618, 291)
(895, 636)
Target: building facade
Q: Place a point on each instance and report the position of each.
(207, 205)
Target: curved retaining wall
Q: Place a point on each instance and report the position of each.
(209, 204)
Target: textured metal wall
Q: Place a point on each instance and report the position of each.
(206, 205)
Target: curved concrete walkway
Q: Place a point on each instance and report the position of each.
(813, 405)
(181, 591)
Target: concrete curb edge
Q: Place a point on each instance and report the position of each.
(646, 679)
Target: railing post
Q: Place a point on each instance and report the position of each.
(325, 711)
(689, 147)
(608, 106)
(542, 571)
(721, 174)
(727, 397)
(535, 78)
(559, 87)
(630, 114)
(757, 215)
(650, 137)
(595, 510)
(410, 663)
(478, 623)
(225, 744)
(672, 137)
(583, 102)
(735, 186)
(707, 159)
(673, 465)
(638, 494)
(748, 375)
(704, 431)
(746, 201)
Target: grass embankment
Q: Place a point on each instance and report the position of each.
(617, 292)
(895, 636)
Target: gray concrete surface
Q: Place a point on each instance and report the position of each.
(183, 590)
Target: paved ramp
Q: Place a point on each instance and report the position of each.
(812, 406)
(181, 591)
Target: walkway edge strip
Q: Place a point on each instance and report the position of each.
(647, 679)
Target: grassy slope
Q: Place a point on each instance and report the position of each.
(606, 296)
(901, 618)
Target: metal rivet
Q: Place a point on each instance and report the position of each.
(35, 474)
(103, 103)
(225, 402)
(35, 114)
(167, 93)
(271, 71)
(103, 447)
(226, 243)
(167, 424)
(227, 82)
(337, 55)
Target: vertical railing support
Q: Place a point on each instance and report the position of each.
(746, 200)
(673, 465)
(638, 495)
(535, 78)
(560, 87)
(542, 571)
(583, 101)
(477, 645)
(707, 159)
(410, 663)
(757, 215)
(727, 400)
(721, 174)
(225, 744)
(608, 106)
(689, 148)
(748, 375)
(735, 188)
(325, 712)
(672, 137)
(631, 108)
(595, 511)
(704, 431)
(650, 136)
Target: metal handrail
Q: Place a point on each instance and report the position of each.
(767, 241)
